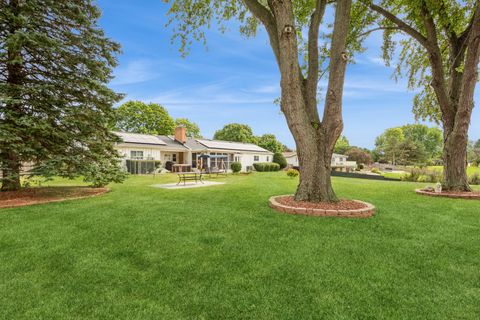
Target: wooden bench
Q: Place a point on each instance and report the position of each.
(189, 176)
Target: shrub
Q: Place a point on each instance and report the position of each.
(292, 173)
(423, 175)
(474, 178)
(266, 166)
(280, 159)
(236, 167)
(375, 170)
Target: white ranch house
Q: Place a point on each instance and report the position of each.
(144, 153)
(339, 161)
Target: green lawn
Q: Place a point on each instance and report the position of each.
(220, 252)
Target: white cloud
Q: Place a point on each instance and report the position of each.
(136, 71)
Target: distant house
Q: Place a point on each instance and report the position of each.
(339, 161)
(144, 153)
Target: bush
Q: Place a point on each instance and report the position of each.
(236, 167)
(266, 166)
(375, 170)
(474, 178)
(280, 159)
(423, 175)
(292, 173)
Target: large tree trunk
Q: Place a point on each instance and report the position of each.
(10, 173)
(455, 161)
(314, 139)
(9, 158)
(315, 167)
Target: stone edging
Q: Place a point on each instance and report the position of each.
(354, 213)
(466, 195)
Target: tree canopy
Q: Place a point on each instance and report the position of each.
(342, 145)
(269, 142)
(410, 144)
(193, 130)
(141, 117)
(236, 132)
(55, 106)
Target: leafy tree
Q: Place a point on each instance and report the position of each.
(359, 155)
(427, 139)
(342, 145)
(301, 62)
(192, 128)
(236, 132)
(148, 118)
(269, 141)
(441, 57)
(389, 144)
(280, 159)
(55, 106)
(411, 152)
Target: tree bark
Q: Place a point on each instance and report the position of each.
(10, 173)
(9, 158)
(455, 93)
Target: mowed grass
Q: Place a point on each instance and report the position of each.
(220, 252)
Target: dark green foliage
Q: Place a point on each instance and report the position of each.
(55, 107)
(141, 117)
(280, 159)
(236, 167)
(266, 166)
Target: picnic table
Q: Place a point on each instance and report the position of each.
(189, 176)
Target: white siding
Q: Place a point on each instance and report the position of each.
(248, 159)
(147, 152)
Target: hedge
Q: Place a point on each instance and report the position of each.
(266, 166)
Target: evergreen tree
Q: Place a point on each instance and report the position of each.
(55, 106)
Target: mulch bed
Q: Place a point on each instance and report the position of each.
(341, 205)
(29, 196)
(475, 195)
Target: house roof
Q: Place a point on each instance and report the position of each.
(140, 138)
(192, 143)
(229, 145)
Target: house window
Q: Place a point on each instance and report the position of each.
(268, 158)
(256, 158)
(174, 157)
(136, 154)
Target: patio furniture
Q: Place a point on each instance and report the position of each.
(189, 176)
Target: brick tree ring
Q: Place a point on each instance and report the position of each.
(351, 208)
(474, 195)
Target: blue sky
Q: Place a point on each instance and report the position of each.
(235, 79)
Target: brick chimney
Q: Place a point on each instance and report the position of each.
(181, 134)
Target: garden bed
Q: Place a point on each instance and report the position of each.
(343, 208)
(450, 194)
(29, 196)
